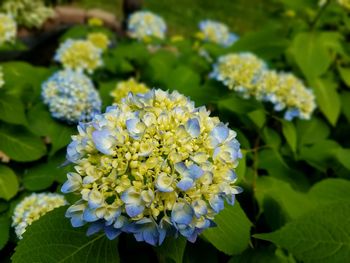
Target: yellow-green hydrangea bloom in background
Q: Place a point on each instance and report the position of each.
(28, 13)
(94, 21)
(79, 55)
(32, 208)
(344, 3)
(144, 24)
(100, 40)
(239, 72)
(153, 165)
(288, 92)
(8, 29)
(123, 88)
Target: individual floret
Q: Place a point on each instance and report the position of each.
(71, 96)
(32, 208)
(123, 88)
(79, 55)
(152, 165)
(217, 32)
(145, 24)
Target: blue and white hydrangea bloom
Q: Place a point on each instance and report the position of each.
(32, 207)
(216, 32)
(145, 24)
(71, 96)
(152, 165)
(249, 76)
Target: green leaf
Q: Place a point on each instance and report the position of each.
(238, 105)
(320, 154)
(330, 190)
(4, 230)
(8, 183)
(345, 75)
(322, 235)
(20, 145)
(327, 98)
(292, 202)
(311, 131)
(290, 134)
(345, 100)
(53, 239)
(260, 255)
(311, 54)
(343, 156)
(232, 233)
(183, 79)
(42, 124)
(173, 249)
(12, 110)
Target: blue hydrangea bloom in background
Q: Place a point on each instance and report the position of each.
(71, 96)
(217, 32)
(153, 165)
(145, 24)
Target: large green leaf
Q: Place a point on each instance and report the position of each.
(12, 110)
(4, 230)
(311, 131)
(327, 98)
(311, 54)
(173, 249)
(21, 145)
(322, 235)
(42, 124)
(345, 100)
(345, 75)
(232, 233)
(8, 183)
(52, 239)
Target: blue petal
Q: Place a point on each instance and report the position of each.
(182, 213)
(104, 141)
(133, 210)
(72, 154)
(89, 215)
(94, 228)
(112, 233)
(185, 183)
(195, 171)
(217, 203)
(219, 134)
(77, 221)
(181, 168)
(193, 128)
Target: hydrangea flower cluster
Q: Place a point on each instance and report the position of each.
(95, 21)
(79, 55)
(239, 72)
(217, 32)
(248, 75)
(152, 165)
(32, 208)
(71, 96)
(8, 29)
(2, 82)
(123, 88)
(100, 40)
(145, 24)
(29, 13)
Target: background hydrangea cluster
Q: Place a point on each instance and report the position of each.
(8, 29)
(32, 207)
(152, 165)
(217, 32)
(71, 96)
(123, 88)
(248, 75)
(145, 24)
